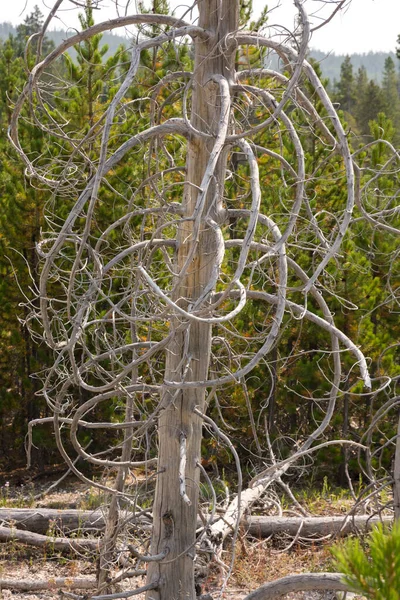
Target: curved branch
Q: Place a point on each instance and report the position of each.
(299, 583)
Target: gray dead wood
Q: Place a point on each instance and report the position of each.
(52, 583)
(303, 582)
(40, 520)
(311, 526)
(9, 534)
(188, 354)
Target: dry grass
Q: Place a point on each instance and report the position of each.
(256, 562)
(259, 562)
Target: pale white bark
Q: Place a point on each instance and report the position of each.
(175, 519)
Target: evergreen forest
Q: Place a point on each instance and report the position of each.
(364, 278)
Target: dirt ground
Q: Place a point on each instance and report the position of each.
(35, 566)
(256, 561)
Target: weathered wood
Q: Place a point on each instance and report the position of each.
(9, 534)
(71, 583)
(312, 526)
(39, 520)
(188, 354)
(114, 514)
(303, 582)
(223, 526)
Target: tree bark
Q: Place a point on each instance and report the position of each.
(10, 534)
(180, 430)
(108, 543)
(39, 521)
(303, 582)
(71, 583)
(312, 526)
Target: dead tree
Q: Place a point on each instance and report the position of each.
(141, 311)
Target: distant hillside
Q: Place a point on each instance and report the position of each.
(6, 29)
(373, 62)
(330, 64)
(112, 41)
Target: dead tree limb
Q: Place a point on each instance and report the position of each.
(312, 526)
(304, 582)
(10, 534)
(71, 583)
(40, 520)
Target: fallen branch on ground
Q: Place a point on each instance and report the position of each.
(39, 520)
(71, 583)
(304, 582)
(312, 526)
(9, 534)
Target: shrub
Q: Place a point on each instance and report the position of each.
(373, 571)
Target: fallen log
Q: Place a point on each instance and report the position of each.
(9, 534)
(311, 527)
(304, 582)
(274, 589)
(71, 583)
(42, 520)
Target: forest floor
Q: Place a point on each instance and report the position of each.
(257, 561)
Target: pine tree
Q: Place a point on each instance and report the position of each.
(361, 90)
(90, 75)
(21, 210)
(345, 88)
(373, 568)
(369, 104)
(11, 77)
(391, 99)
(33, 24)
(20, 220)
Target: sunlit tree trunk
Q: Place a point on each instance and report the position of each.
(188, 354)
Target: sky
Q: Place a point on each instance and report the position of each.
(364, 26)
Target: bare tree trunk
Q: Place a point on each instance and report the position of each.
(108, 543)
(180, 430)
(39, 520)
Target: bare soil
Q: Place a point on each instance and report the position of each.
(257, 561)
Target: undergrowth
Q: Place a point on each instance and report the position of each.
(372, 568)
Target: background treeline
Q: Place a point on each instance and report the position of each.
(361, 285)
(373, 62)
(56, 37)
